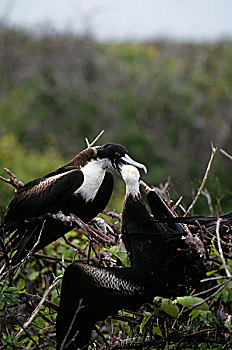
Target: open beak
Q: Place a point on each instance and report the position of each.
(128, 160)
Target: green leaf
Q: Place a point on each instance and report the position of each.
(117, 253)
(146, 318)
(156, 329)
(225, 296)
(188, 301)
(21, 284)
(170, 307)
(167, 306)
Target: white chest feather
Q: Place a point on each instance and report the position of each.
(94, 173)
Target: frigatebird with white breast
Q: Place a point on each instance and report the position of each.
(81, 187)
(90, 293)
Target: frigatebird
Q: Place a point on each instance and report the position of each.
(90, 293)
(81, 187)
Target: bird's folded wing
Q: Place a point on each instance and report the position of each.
(43, 195)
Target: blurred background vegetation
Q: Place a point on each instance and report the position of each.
(165, 101)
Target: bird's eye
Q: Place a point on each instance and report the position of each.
(117, 154)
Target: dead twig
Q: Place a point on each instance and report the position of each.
(225, 153)
(213, 152)
(221, 287)
(13, 180)
(220, 248)
(54, 259)
(113, 215)
(95, 140)
(98, 236)
(37, 297)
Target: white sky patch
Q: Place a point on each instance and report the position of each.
(125, 19)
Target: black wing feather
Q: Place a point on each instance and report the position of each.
(43, 195)
(161, 212)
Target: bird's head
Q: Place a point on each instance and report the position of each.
(117, 155)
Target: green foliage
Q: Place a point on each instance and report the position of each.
(26, 164)
(117, 253)
(168, 306)
(9, 294)
(188, 301)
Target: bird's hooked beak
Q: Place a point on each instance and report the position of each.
(128, 160)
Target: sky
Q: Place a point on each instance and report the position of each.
(196, 20)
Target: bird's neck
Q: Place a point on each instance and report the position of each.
(132, 190)
(82, 158)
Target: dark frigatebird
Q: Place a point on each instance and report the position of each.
(81, 187)
(91, 293)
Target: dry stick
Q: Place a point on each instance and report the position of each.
(176, 205)
(95, 234)
(46, 302)
(95, 140)
(54, 259)
(222, 286)
(79, 251)
(213, 278)
(222, 242)
(226, 154)
(220, 248)
(38, 307)
(214, 149)
(206, 291)
(13, 181)
(113, 215)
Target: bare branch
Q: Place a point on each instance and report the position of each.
(37, 297)
(113, 214)
(95, 140)
(87, 142)
(225, 153)
(13, 180)
(221, 287)
(214, 149)
(220, 248)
